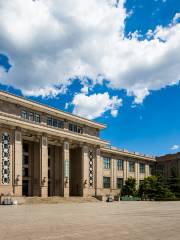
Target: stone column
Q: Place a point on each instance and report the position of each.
(112, 174)
(57, 171)
(137, 173)
(36, 157)
(85, 171)
(115, 173)
(146, 170)
(18, 163)
(98, 174)
(65, 168)
(44, 166)
(125, 171)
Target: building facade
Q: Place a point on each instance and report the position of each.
(168, 165)
(48, 152)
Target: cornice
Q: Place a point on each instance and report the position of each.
(51, 131)
(49, 110)
(127, 154)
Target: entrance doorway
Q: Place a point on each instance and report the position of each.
(26, 169)
(75, 178)
(25, 188)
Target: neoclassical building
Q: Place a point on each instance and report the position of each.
(48, 152)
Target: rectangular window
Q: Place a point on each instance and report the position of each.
(24, 114)
(80, 130)
(75, 128)
(106, 182)
(55, 124)
(70, 127)
(119, 183)
(60, 124)
(37, 118)
(107, 162)
(120, 165)
(31, 116)
(142, 168)
(49, 121)
(131, 166)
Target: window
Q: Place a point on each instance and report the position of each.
(75, 128)
(60, 124)
(37, 118)
(107, 162)
(24, 114)
(120, 165)
(131, 166)
(31, 116)
(142, 168)
(119, 183)
(49, 121)
(55, 123)
(106, 182)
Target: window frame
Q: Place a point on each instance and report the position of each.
(106, 184)
(122, 183)
(131, 167)
(37, 118)
(107, 162)
(24, 114)
(120, 167)
(141, 169)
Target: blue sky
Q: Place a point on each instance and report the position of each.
(140, 104)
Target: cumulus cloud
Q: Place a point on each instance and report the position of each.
(49, 43)
(95, 105)
(175, 147)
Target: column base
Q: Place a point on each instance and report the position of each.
(44, 191)
(18, 191)
(66, 192)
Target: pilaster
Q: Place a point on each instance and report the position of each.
(65, 168)
(125, 170)
(44, 166)
(137, 172)
(18, 163)
(98, 174)
(146, 170)
(85, 171)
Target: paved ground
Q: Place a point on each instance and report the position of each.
(120, 220)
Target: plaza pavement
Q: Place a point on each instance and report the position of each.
(95, 220)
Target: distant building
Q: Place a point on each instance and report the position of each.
(168, 165)
(48, 152)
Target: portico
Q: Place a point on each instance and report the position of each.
(47, 166)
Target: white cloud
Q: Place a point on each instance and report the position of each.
(50, 42)
(95, 105)
(175, 147)
(176, 18)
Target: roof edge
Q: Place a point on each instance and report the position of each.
(53, 109)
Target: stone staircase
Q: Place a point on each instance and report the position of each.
(54, 200)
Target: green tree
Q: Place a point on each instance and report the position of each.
(174, 182)
(129, 188)
(154, 188)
